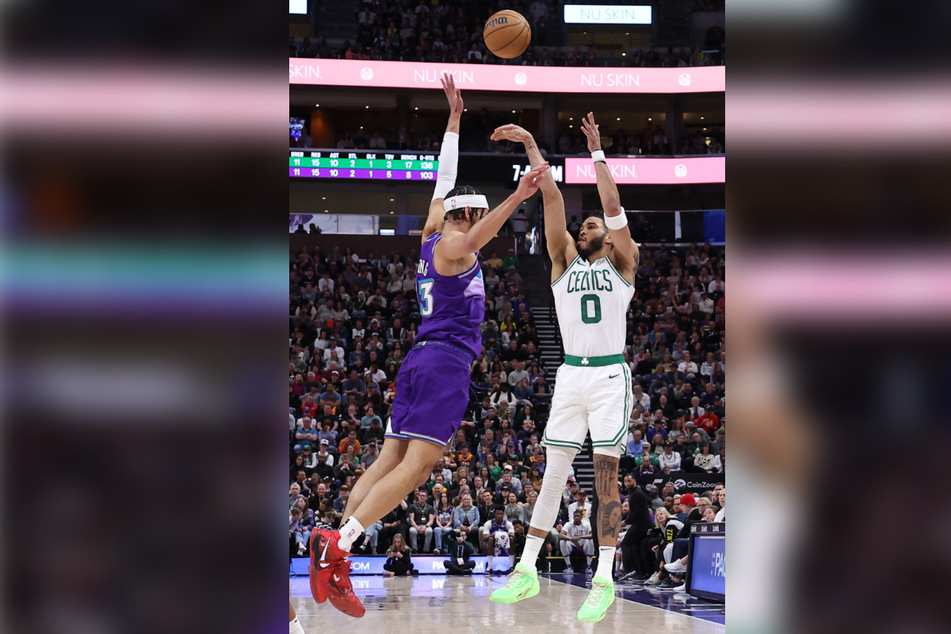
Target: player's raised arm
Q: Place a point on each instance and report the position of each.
(561, 247)
(448, 158)
(625, 254)
(460, 245)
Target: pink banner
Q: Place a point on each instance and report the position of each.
(650, 171)
(345, 72)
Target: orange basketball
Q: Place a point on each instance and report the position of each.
(507, 34)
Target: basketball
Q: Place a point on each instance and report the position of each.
(507, 34)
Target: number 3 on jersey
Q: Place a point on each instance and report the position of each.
(590, 308)
(424, 290)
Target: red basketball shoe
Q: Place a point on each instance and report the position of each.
(323, 554)
(330, 573)
(341, 592)
(319, 582)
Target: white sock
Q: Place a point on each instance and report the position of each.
(533, 546)
(350, 530)
(605, 561)
(296, 627)
(488, 562)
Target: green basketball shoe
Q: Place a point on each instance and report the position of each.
(599, 600)
(522, 584)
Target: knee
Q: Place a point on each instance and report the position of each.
(422, 476)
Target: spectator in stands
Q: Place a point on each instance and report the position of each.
(523, 392)
(369, 418)
(514, 510)
(646, 457)
(306, 435)
(499, 535)
(721, 501)
(443, 522)
(465, 519)
(393, 523)
(323, 454)
(369, 455)
(350, 440)
(705, 460)
(669, 461)
(340, 502)
(695, 411)
(350, 416)
(669, 527)
(422, 517)
(508, 482)
(330, 397)
(398, 558)
(646, 470)
(460, 552)
(375, 432)
(343, 470)
(708, 422)
(719, 442)
(581, 503)
(305, 524)
(576, 539)
(295, 492)
(354, 386)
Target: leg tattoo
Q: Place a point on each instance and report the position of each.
(609, 507)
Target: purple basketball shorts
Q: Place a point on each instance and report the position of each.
(432, 393)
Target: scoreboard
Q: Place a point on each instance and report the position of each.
(409, 166)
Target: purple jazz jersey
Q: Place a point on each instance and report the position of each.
(432, 389)
(432, 393)
(453, 307)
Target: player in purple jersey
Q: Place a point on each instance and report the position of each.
(433, 382)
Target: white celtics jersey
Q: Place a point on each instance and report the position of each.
(592, 302)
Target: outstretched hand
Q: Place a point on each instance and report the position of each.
(528, 184)
(511, 132)
(453, 95)
(591, 131)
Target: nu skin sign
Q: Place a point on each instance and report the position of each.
(607, 14)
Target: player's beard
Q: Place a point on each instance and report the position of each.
(591, 246)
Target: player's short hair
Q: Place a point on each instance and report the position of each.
(460, 212)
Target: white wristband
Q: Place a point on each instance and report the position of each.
(598, 155)
(616, 222)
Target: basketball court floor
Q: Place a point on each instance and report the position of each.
(431, 604)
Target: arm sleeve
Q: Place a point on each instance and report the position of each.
(448, 160)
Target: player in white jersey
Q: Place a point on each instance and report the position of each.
(593, 283)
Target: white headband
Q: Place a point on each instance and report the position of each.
(476, 201)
